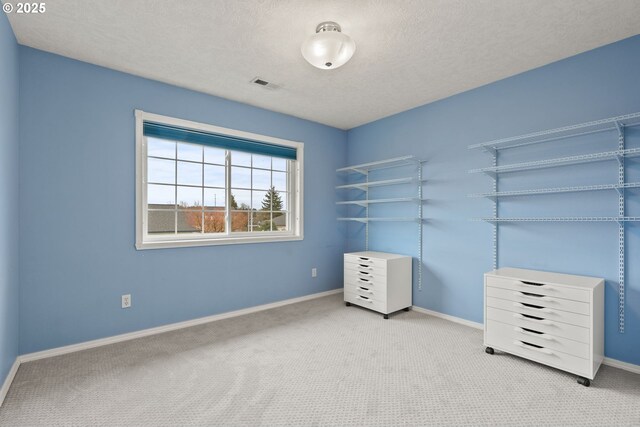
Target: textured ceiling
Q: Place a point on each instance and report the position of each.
(408, 52)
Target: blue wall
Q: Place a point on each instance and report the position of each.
(597, 84)
(8, 197)
(78, 212)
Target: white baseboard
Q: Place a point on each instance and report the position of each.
(7, 381)
(630, 367)
(622, 365)
(166, 328)
(454, 319)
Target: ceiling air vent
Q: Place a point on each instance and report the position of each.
(260, 82)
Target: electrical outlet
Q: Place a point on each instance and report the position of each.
(314, 272)
(126, 301)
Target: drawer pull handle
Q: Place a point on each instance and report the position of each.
(532, 319)
(363, 280)
(532, 283)
(363, 272)
(533, 307)
(363, 258)
(533, 333)
(533, 347)
(530, 295)
(365, 299)
(365, 290)
(538, 285)
(365, 267)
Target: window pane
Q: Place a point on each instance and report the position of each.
(280, 181)
(214, 198)
(240, 177)
(242, 199)
(189, 173)
(190, 220)
(261, 179)
(214, 155)
(261, 221)
(259, 200)
(161, 148)
(239, 158)
(279, 221)
(161, 196)
(214, 176)
(161, 171)
(188, 151)
(261, 161)
(161, 222)
(189, 197)
(279, 164)
(214, 222)
(239, 221)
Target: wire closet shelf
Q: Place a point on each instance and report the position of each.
(616, 124)
(362, 172)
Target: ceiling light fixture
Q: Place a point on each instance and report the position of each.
(328, 48)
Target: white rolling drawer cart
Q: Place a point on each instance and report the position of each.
(378, 281)
(550, 318)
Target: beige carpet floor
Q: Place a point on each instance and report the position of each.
(312, 363)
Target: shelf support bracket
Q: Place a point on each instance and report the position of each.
(420, 227)
(494, 175)
(366, 210)
(361, 171)
(621, 229)
(491, 174)
(492, 151)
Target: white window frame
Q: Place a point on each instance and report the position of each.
(295, 187)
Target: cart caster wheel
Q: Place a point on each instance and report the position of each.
(386, 316)
(406, 309)
(489, 350)
(584, 381)
(348, 304)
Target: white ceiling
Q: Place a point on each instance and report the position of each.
(409, 52)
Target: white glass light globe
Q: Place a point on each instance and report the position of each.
(328, 49)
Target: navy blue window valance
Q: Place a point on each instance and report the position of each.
(175, 133)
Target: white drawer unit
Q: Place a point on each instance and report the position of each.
(378, 281)
(551, 318)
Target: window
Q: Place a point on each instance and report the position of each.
(199, 185)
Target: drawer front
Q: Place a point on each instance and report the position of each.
(362, 260)
(538, 299)
(540, 310)
(360, 268)
(369, 292)
(524, 347)
(576, 333)
(555, 291)
(532, 336)
(362, 301)
(377, 278)
(367, 283)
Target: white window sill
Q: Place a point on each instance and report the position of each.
(166, 244)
